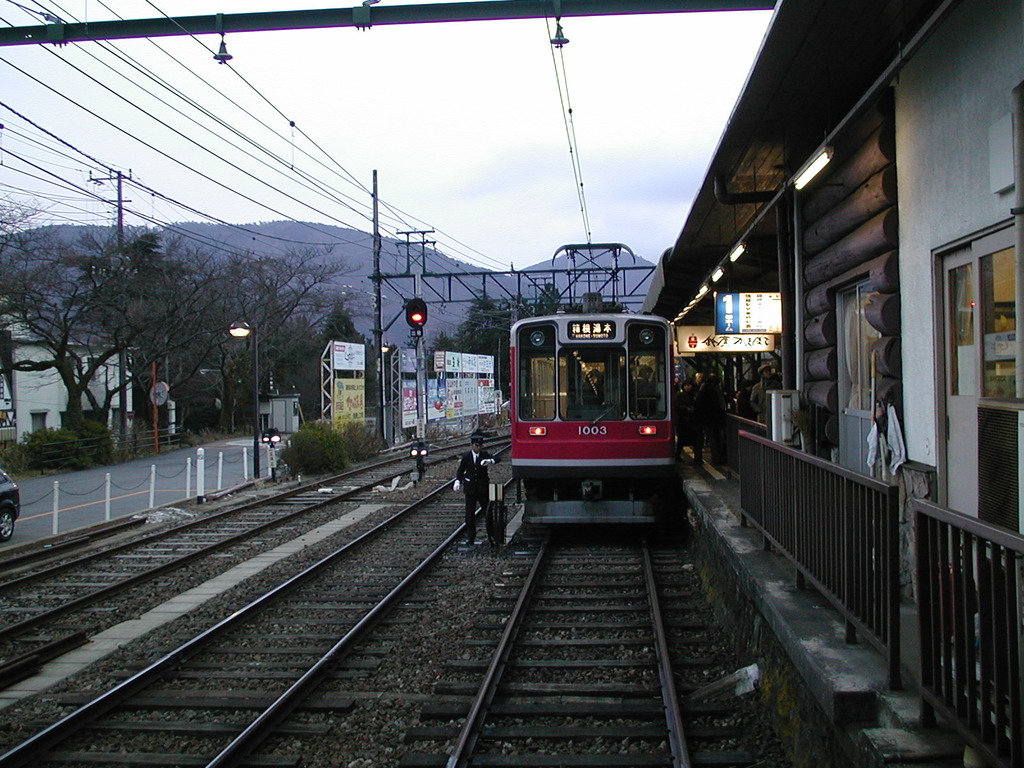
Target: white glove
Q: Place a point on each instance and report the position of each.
(457, 486)
(486, 462)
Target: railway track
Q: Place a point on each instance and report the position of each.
(54, 606)
(590, 662)
(218, 696)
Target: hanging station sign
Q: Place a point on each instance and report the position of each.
(748, 312)
(692, 339)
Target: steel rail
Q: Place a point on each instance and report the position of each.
(158, 535)
(263, 726)
(28, 750)
(166, 533)
(670, 699)
(466, 742)
(172, 565)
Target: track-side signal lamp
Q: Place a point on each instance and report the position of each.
(416, 314)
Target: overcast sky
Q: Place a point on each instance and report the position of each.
(463, 122)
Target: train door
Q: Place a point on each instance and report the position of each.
(591, 382)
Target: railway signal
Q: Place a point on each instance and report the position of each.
(416, 315)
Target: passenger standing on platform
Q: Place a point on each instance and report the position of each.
(743, 407)
(471, 478)
(710, 410)
(687, 431)
(759, 394)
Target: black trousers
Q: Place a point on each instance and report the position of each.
(474, 500)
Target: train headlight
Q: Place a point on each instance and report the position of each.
(648, 429)
(537, 431)
(646, 336)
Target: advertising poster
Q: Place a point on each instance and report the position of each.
(436, 394)
(348, 356)
(349, 401)
(488, 396)
(408, 406)
(8, 427)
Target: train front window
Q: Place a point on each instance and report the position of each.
(591, 383)
(647, 372)
(536, 346)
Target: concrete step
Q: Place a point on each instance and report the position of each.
(920, 747)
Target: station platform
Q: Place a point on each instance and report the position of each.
(830, 698)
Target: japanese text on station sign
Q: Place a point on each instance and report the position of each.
(748, 312)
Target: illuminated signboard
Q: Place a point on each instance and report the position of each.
(692, 339)
(583, 330)
(748, 312)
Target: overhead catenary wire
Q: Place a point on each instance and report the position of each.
(459, 250)
(402, 217)
(562, 82)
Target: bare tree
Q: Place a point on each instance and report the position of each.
(85, 303)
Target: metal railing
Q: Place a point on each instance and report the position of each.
(969, 580)
(99, 451)
(838, 528)
(734, 425)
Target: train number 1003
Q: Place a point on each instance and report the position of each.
(593, 430)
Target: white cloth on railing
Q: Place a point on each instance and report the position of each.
(894, 437)
(894, 450)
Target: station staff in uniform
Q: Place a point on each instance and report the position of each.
(471, 478)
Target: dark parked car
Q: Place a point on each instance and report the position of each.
(10, 506)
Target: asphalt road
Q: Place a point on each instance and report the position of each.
(134, 486)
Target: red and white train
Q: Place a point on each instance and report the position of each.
(591, 407)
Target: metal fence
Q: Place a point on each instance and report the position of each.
(969, 579)
(99, 451)
(838, 528)
(734, 425)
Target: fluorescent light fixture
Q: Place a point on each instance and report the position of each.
(703, 289)
(717, 274)
(813, 168)
(738, 251)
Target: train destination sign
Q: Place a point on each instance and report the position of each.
(591, 331)
(748, 312)
(691, 339)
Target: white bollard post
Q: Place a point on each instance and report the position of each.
(188, 477)
(200, 475)
(220, 470)
(245, 463)
(152, 485)
(56, 504)
(106, 501)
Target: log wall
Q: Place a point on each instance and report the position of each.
(850, 234)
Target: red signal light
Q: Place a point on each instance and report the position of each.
(416, 313)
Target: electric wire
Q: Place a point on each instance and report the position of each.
(562, 82)
(395, 212)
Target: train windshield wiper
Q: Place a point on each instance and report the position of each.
(602, 414)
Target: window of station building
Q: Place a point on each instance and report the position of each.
(963, 349)
(592, 383)
(648, 398)
(999, 324)
(536, 375)
(857, 336)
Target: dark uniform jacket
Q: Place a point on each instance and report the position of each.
(473, 476)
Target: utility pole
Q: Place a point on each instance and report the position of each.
(421, 367)
(378, 322)
(122, 356)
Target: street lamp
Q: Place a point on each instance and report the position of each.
(241, 331)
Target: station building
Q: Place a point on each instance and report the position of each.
(899, 265)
